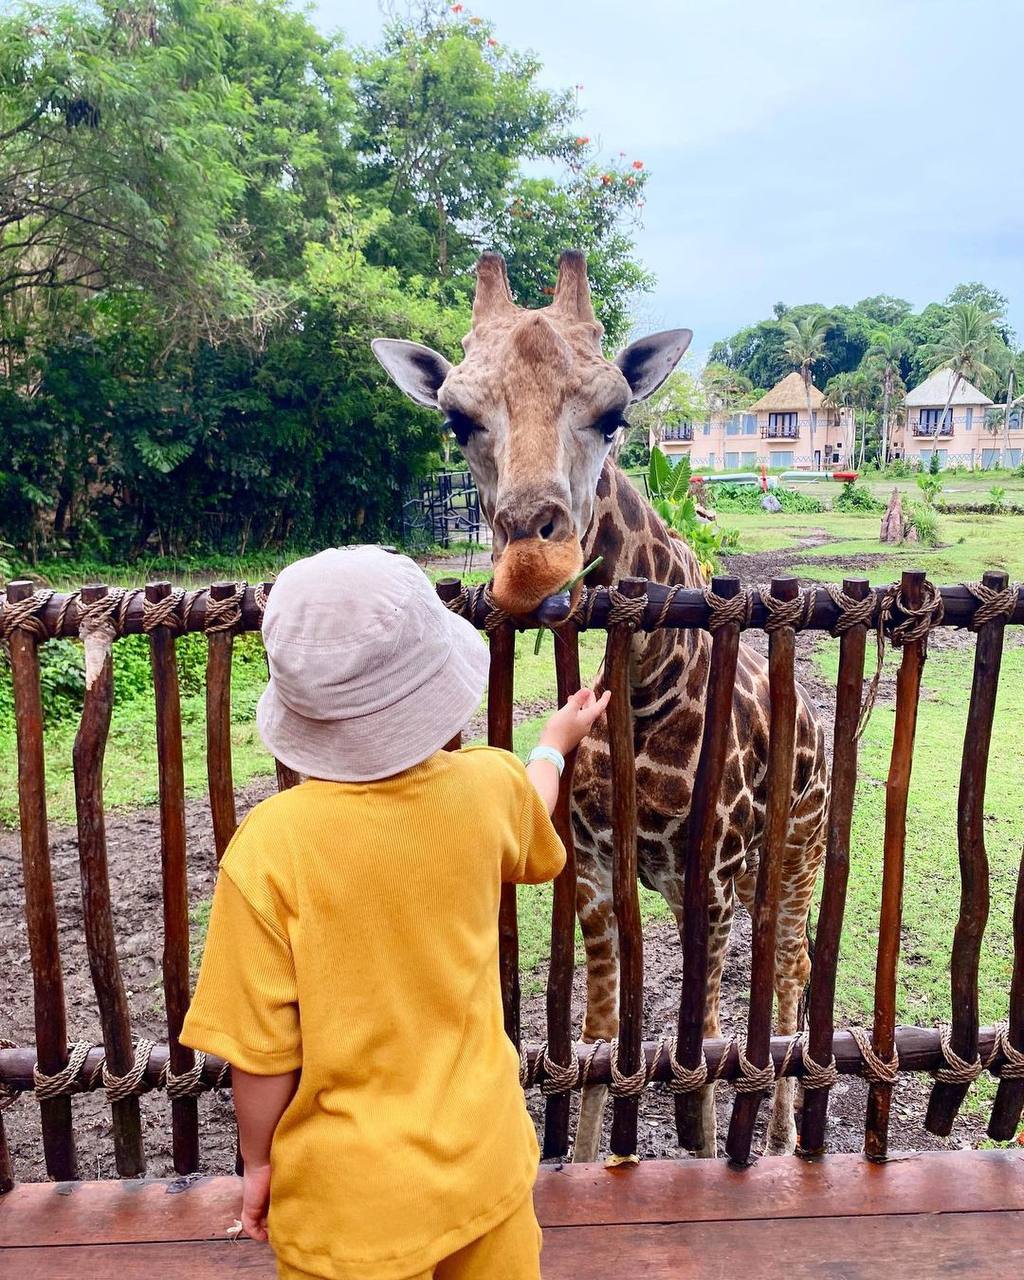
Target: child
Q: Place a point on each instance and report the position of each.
(351, 968)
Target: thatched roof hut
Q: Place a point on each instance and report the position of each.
(787, 396)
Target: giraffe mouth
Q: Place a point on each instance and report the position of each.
(529, 570)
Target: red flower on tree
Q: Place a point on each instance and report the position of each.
(638, 164)
(492, 42)
(631, 182)
(582, 142)
(606, 178)
(457, 8)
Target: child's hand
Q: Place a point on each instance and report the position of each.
(570, 724)
(255, 1200)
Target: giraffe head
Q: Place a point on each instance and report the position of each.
(536, 409)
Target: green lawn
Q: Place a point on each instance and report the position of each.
(972, 543)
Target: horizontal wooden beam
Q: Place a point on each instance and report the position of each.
(918, 1047)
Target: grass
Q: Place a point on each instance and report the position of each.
(932, 888)
(969, 544)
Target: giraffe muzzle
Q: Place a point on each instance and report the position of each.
(535, 553)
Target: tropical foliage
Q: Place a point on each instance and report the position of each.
(206, 211)
(671, 497)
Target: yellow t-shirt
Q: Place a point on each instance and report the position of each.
(354, 934)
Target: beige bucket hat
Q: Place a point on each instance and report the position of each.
(369, 673)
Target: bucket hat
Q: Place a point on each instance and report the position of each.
(369, 672)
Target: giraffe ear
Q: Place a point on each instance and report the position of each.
(416, 370)
(647, 362)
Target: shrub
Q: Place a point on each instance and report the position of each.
(857, 497)
(746, 497)
(930, 485)
(671, 498)
(997, 494)
(926, 522)
(898, 469)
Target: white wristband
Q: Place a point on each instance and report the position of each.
(547, 753)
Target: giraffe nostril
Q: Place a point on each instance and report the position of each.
(548, 529)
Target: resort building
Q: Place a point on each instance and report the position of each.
(774, 430)
(967, 436)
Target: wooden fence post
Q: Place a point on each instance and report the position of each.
(849, 691)
(40, 907)
(220, 645)
(897, 788)
(563, 911)
(946, 1097)
(700, 845)
(778, 799)
(174, 877)
(626, 902)
(112, 1002)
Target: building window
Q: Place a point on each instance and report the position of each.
(783, 458)
(732, 461)
(732, 427)
(968, 418)
(782, 419)
(930, 418)
(707, 428)
(748, 460)
(1015, 420)
(749, 424)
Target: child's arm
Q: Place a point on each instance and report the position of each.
(260, 1102)
(564, 731)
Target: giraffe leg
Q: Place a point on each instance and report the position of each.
(601, 1022)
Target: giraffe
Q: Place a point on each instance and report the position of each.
(537, 410)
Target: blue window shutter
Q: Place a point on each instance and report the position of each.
(968, 418)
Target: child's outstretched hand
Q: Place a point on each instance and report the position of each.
(570, 724)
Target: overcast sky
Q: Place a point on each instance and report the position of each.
(802, 152)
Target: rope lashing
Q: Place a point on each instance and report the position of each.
(556, 1078)
(686, 1079)
(133, 1082)
(226, 614)
(190, 1084)
(260, 595)
(162, 613)
(876, 1070)
(992, 604)
(917, 621)
(66, 1079)
(626, 610)
(632, 1085)
(663, 612)
(755, 1079)
(1012, 1067)
(23, 615)
(468, 601)
(724, 610)
(795, 613)
(8, 1096)
(817, 1075)
(957, 1070)
(851, 612)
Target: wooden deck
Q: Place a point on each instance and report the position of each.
(920, 1217)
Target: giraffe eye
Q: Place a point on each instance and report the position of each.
(461, 426)
(609, 423)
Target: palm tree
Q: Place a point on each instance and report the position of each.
(889, 348)
(966, 346)
(839, 395)
(864, 388)
(1008, 376)
(805, 343)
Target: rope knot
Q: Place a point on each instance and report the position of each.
(626, 611)
(724, 610)
(992, 604)
(226, 614)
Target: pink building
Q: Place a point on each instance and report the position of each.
(967, 435)
(774, 430)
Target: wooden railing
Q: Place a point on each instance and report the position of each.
(903, 614)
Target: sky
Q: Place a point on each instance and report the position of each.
(798, 152)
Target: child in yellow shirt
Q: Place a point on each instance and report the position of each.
(350, 974)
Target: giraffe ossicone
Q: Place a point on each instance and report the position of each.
(537, 410)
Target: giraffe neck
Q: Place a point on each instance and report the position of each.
(635, 543)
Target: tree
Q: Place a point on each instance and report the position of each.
(804, 344)
(967, 347)
(679, 399)
(888, 349)
(118, 132)
(839, 395)
(1008, 368)
(725, 388)
(988, 300)
(446, 115)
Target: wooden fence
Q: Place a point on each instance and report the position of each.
(58, 1066)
